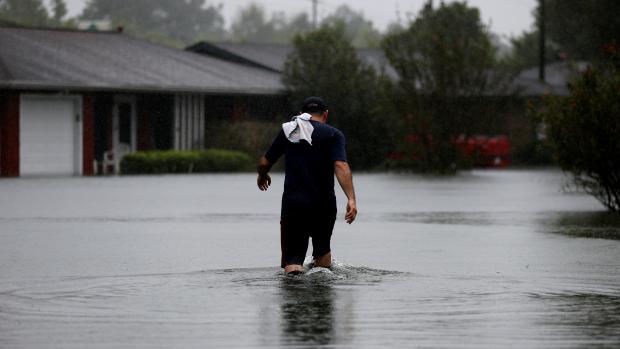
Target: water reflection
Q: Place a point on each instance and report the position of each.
(582, 315)
(308, 312)
(602, 225)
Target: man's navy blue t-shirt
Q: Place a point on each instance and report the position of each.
(309, 169)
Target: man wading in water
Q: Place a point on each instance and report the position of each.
(314, 152)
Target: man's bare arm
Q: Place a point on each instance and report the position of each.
(264, 180)
(345, 178)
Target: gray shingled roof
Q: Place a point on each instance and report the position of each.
(270, 55)
(273, 56)
(67, 59)
(557, 76)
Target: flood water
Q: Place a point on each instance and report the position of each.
(486, 259)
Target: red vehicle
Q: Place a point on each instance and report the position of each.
(483, 151)
(486, 151)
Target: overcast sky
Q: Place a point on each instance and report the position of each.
(505, 17)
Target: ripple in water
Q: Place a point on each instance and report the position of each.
(345, 306)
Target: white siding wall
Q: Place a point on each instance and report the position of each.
(189, 122)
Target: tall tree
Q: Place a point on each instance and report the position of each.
(168, 21)
(252, 25)
(59, 10)
(324, 63)
(583, 27)
(525, 51)
(31, 12)
(289, 28)
(445, 58)
(300, 24)
(358, 29)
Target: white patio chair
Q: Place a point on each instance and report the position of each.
(112, 158)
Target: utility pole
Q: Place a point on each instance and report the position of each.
(315, 4)
(541, 39)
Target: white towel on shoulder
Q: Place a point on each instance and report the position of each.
(299, 128)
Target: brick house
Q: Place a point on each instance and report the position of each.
(73, 102)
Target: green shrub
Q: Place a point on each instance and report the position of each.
(585, 131)
(199, 161)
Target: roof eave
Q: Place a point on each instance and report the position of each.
(36, 85)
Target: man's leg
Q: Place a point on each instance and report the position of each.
(293, 268)
(324, 261)
(322, 228)
(294, 243)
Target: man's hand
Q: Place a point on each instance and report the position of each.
(263, 182)
(345, 178)
(351, 211)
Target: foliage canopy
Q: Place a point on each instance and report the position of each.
(583, 27)
(31, 12)
(445, 58)
(324, 63)
(585, 131)
(526, 51)
(171, 21)
(357, 29)
(252, 24)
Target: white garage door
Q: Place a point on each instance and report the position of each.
(49, 136)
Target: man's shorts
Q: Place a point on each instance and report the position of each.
(295, 232)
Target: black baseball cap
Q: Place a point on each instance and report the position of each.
(313, 105)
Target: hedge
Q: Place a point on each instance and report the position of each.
(171, 161)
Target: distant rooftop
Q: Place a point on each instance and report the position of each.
(44, 58)
(557, 76)
(273, 56)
